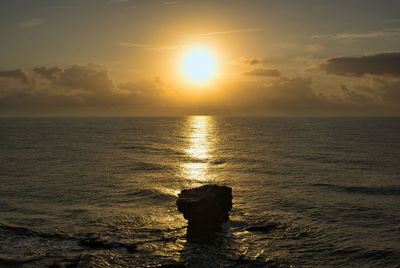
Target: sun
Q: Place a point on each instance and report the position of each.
(199, 65)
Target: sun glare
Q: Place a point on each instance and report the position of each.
(199, 65)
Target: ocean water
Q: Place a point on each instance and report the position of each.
(327, 190)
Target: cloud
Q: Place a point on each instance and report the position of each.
(359, 36)
(49, 73)
(254, 61)
(172, 3)
(263, 72)
(18, 74)
(375, 94)
(230, 32)
(377, 64)
(148, 46)
(90, 90)
(248, 61)
(354, 96)
(315, 48)
(392, 21)
(251, 61)
(77, 90)
(89, 78)
(32, 23)
(299, 96)
(60, 7)
(153, 47)
(117, 1)
(283, 96)
(145, 92)
(387, 89)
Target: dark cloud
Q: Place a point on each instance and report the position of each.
(378, 64)
(79, 89)
(253, 61)
(90, 78)
(18, 74)
(263, 72)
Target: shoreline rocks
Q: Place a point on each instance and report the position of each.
(205, 208)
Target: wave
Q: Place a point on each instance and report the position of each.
(150, 150)
(158, 193)
(218, 162)
(214, 162)
(145, 166)
(134, 148)
(11, 261)
(387, 190)
(20, 230)
(376, 254)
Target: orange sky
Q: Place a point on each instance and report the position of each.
(124, 57)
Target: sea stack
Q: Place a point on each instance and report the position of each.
(205, 208)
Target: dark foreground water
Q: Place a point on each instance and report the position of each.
(327, 189)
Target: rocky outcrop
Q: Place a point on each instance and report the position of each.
(205, 208)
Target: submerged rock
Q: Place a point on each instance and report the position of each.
(205, 208)
(95, 242)
(129, 247)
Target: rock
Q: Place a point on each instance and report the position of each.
(205, 208)
(95, 242)
(130, 247)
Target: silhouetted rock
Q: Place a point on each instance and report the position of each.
(205, 208)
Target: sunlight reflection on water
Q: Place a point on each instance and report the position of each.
(315, 193)
(200, 132)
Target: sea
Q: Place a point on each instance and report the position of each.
(307, 192)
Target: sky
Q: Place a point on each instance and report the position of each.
(273, 58)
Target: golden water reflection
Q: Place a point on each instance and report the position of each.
(201, 142)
